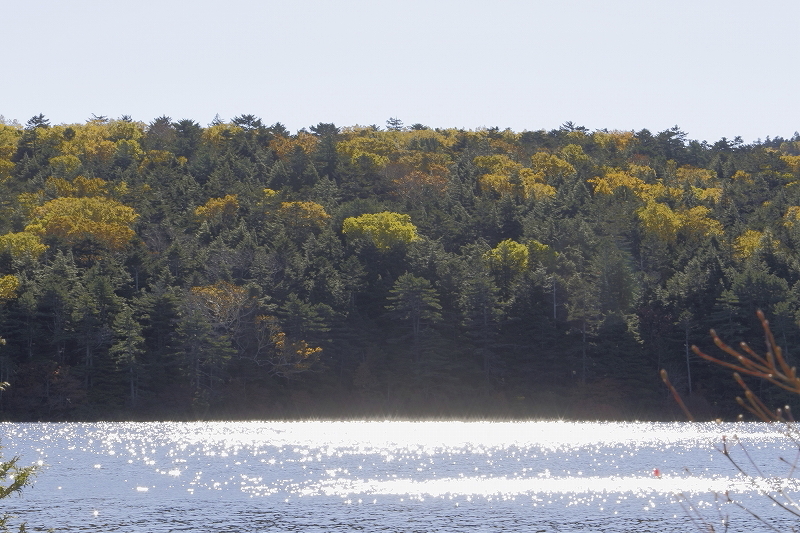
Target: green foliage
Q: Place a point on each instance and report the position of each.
(13, 479)
(413, 299)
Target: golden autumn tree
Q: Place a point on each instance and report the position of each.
(698, 177)
(792, 216)
(384, 229)
(793, 162)
(618, 141)
(697, 221)
(503, 175)
(78, 209)
(104, 220)
(508, 177)
(22, 245)
(80, 186)
(660, 220)
(95, 143)
(219, 211)
(303, 214)
(666, 224)
(9, 137)
(614, 179)
(284, 146)
(551, 167)
(375, 146)
(8, 287)
(632, 182)
(749, 242)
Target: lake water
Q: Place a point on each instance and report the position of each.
(397, 476)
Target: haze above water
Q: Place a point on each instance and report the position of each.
(391, 476)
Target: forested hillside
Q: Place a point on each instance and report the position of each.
(170, 270)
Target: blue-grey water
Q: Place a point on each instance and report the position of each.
(401, 476)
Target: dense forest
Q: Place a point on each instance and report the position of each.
(174, 271)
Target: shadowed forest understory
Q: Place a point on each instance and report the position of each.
(174, 271)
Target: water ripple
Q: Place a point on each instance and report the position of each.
(384, 476)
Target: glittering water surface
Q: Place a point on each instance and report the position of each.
(395, 476)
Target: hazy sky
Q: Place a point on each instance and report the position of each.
(715, 68)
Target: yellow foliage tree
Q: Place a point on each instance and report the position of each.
(501, 184)
(8, 287)
(428, 137)
(508, 255)
(219, 134)
(219, 209)
(156, 158)
(497, 164)
(551, 166)
(22, 245)
(538, 190)
(747, 243)
(74, 219)
(658, 219)
(632, 179)
(742, 176)
(791, 217)
(119, 130)
(506, 176)
(90, 142)
(384, 229)
(80, 187)
(618, 140)
(129, 149)
(284, 146)
(697, 221)
(750, 242)
(299, 215)
(9, 137)
(507, 261)
(614, 179)
(695, 176)
(376, 146)
(712, 194)
(793, 162)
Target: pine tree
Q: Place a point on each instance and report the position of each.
(128, 351)
(415, 302)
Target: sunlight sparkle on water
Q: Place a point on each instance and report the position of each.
(606, 467)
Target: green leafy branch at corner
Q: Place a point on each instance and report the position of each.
(13, 478)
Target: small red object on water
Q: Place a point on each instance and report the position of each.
(657, 472)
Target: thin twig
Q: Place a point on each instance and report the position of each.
(675, 395)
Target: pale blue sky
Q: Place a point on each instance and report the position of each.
(715, 68)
